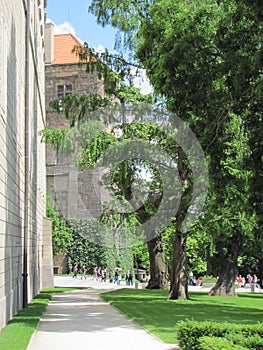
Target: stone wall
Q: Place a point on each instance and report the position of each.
(47, 256)
(60, 264)
(22, 155)
(74, 194)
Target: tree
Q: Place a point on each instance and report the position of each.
(93, 245)
(230, 207)
(126, 175)
(61, 232)
(205, 58)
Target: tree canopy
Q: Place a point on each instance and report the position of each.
(205, 58)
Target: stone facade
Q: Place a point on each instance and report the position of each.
(75, 194)
(60, 264)
(25, 234)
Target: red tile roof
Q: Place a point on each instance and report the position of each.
(63, 45)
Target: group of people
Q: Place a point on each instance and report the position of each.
(194, 281)
(129, 278)
(76, 270)
(248, 280)
(100, 275)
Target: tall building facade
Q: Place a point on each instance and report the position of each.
(75, 194)
(25, 233)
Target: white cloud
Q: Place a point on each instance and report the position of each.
(100, 48)
(142, 82)
(64, 28)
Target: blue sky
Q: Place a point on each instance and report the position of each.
(73, 16)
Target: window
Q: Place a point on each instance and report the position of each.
(68, 89)
(64, 90)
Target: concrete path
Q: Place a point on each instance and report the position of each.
(82, 320)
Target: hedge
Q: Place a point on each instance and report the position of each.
(194, 335)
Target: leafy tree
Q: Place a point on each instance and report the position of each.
(61, 233)
(91, 151)
(85, 249)
(205, 58)
(75, 108)
(125, 175)
(55, 137)
(231, 207)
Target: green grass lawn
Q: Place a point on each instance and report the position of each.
(17, 333)
(152, 310)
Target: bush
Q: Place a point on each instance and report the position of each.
(190, 332)
(215, 343)
(193, 335)
(254, 341)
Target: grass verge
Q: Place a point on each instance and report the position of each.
(152, 310)
(17, 333)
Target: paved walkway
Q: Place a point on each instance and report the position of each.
(80, 319)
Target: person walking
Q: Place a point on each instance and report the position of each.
(75, 271)
(83, 270)
(117, 275)
(95, 273)
(127, 277)
(110, 276)
(130, 277)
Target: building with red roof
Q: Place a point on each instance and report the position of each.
(65, 75)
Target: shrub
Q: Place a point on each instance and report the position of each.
(215, 343)
(254, 341)
(190, 332)
(193, 335)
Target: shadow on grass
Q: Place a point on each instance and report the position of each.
(152, 307)
(250, 295)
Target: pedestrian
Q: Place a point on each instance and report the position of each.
(117, 274)
(255, 280)
(99, 272)
(127, 277)
(83, 270)
(130, 278)
(104, 274)
(75, 271)
(110, 276)
(95, 273)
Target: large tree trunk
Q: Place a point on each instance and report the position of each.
(179, 280)
(158, 266)
(225, 285)
(179, 285)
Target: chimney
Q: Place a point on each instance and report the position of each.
(49, 43)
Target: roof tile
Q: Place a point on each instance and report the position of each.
(63, 45)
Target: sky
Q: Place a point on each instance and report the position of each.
(73, 17)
